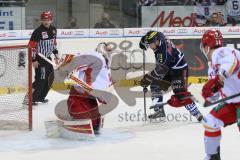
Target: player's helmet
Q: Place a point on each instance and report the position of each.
(211, 38)
(46, 15)
(151, 37)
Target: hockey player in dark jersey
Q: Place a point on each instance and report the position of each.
(172, 67)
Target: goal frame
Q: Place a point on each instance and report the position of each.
(29, 92)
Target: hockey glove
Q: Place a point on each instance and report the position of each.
(146, 80)
(155, 76)
(211, 87)
(180, 99)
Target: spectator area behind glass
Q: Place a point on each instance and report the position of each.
(84, 14)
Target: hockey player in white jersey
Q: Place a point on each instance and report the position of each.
(224, 80)
(94, 70)
(80, 113)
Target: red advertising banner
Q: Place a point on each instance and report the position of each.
(183, 16)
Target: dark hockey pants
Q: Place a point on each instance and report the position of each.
(44, 76)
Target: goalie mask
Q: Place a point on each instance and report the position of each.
(105, 49)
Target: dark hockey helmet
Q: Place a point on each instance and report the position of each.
(151, 37)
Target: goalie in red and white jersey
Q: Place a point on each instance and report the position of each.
(224, 80)
(94, 70)
(90, 72)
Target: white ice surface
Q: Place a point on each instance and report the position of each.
(120, 140)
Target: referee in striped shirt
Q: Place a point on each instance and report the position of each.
(43, 40)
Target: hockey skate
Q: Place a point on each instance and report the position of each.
(26, 101)
(159, 111)
(214, 156)
(44, 101)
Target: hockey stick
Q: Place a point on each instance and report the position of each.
(81, 83)
(48, 60)
(222, 100)
(145, 90)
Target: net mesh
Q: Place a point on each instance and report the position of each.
(14, 87)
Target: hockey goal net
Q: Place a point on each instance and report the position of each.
(15, 88)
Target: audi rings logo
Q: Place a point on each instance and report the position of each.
(182, 30)
(12, 34)
(114, 32)
(79, 32)
(124, 57)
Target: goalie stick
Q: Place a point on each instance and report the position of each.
(222, 100)
(81, 83)
(48, 60)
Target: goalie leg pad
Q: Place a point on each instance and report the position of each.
(61, 111)
(77, 129)
(74, 130)
(52, 128)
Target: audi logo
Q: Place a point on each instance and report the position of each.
(124, 57)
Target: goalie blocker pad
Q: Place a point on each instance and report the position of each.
(66, 127)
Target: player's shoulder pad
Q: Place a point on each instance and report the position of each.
(161, 35)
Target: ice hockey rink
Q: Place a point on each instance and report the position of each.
(120, 139)
(125, 135)
(80, 26)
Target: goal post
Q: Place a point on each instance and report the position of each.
(15, 88)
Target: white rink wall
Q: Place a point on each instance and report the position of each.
(81, 40)
(78, 45)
